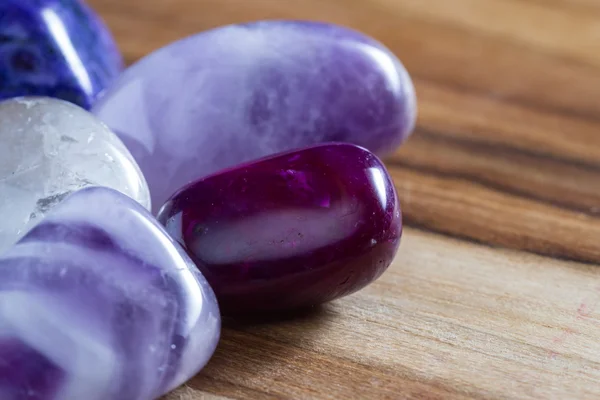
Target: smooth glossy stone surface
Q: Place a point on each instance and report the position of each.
(241, 92)
(293, 230)
(98, 303)
(55, 48)
(50, 148)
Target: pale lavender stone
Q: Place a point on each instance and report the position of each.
(97, 303)
(241, 92)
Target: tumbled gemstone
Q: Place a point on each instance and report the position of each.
(242, 92)
(292, 230)
(55, 48)
(98, 303)
(50, 148)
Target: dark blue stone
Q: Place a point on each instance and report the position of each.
(55, 48)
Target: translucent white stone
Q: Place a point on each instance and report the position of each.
(50, 148)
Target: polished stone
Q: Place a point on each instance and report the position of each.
(55, 48)
(50, 148)
(98, 303)
(293, 230)
(241, 92)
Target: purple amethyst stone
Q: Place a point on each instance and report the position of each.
(293, 230)
(242, 92)
(97, 303)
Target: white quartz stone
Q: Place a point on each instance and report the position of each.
(50, 148)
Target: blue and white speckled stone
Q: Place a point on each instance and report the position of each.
(97, 303)
(55, 48)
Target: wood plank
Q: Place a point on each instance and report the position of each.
(453, 112)
(495, 293)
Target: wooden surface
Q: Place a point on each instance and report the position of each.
(495, 293)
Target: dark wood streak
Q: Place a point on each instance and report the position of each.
(570, 6)
(584, 203)
(502, 150)
(489, 185)
(466, 209)
(538, 105)
(415, 223)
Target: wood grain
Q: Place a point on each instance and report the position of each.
(495, 293)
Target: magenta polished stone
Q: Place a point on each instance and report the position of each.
(292, 230)
(240, 92)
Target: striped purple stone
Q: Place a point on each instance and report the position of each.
(97, 302)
